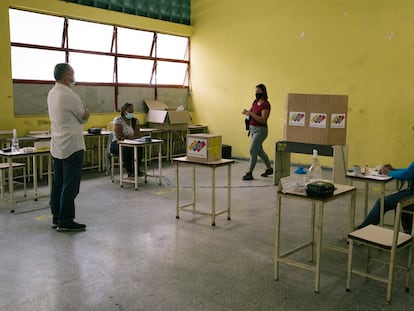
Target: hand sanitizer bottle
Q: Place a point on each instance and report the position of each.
(315, 171)
(15, 142)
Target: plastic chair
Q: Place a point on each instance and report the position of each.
(389, 240)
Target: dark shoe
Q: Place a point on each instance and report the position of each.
(54, 226)
(71, 227)
(131, 175)
(248, 176)
(268, 171)
(141, 173)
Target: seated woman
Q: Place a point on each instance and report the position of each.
(127, 127)
(391, 200)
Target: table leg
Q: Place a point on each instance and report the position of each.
(213, 196)
(136, 167)
(100, 153)
(194, 187)
(121, 171)
(382, 204)
(145, 160)
(229, 192)
(177, 192)
(351, 212)
(11, 186)
(318, 248)
(312, 232)
(35, 178)
(366, 199)
(277, 238)
(159, 163)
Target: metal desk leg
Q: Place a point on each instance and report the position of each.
(318, 249)
(11, 186)
(229, 192)
(136, 167)
(159, 163)
(194, 187)
(121, 165)
(35, 178)
(351, 212)
(145, 161)
(312, 233)
(277, 238)
(366, 199)
(177, 192)
(213, 196)
(382, 204)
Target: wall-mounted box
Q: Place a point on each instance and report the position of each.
(203, 147)
(161, 117)
(316, 119)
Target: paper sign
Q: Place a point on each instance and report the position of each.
(297, 118)
(317, 120)
(338, 120)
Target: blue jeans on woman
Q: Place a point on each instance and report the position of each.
(65, 187)
(390, 203)
(259, 134)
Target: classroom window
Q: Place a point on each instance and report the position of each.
(99, 53)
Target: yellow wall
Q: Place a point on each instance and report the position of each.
(359, 48)
(25, 123)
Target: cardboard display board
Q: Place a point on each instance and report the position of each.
(316, 119)
(162, 117)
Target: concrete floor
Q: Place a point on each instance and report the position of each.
(135, 255)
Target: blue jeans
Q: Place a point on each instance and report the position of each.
(65, 187)
(259, 134)
(390, 203)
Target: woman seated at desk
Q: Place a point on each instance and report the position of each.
(127, 127)
(391, 201)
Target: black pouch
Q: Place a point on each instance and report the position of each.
(320, 189)
(247, 123)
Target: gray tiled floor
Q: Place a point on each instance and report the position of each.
(136, 255)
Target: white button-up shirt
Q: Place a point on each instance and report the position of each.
(65, 113)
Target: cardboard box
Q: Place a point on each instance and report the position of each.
(204, 147)
(316, 119)
(161, 117)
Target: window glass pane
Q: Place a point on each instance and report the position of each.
(89, 36)
(34, 64)
(134, 70)
(134, 42)
(92, 68)
(173, 47)
(171, 73)
(27, 27)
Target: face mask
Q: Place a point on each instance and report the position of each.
(259, 95)
(129, 115)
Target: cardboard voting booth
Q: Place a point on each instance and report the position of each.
(316, 119)
(203, 147)
(161, 117)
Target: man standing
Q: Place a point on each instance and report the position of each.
(67, 114)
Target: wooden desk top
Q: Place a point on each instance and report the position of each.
(213, 163)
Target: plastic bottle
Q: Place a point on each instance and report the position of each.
(15, 142)
(300, 177)
(315, 171)
(366, 169)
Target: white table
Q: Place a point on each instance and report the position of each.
(213, 166)
(300, 194)
(10, 156)
(135, 144)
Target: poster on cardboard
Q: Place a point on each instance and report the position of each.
(317, 120)
(297, 118)
(197, 147)
(338, 120)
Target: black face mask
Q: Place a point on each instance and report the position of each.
(259, 95)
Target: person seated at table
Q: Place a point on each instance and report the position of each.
(406, 175)
(126, 126)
